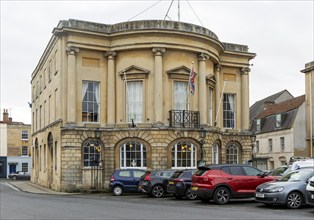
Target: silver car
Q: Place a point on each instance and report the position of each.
(289, 190)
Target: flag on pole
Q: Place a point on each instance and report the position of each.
(192, 81)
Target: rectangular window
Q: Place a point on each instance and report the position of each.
(56, 156)
(134, 98)
(282, 144)
(210, 107)
(90, 101)
(229, 111)
(24, 135)
(257, 146)
(278, 120)
(24, 151)
(270, 145)
(180, 95)
(258, 124)
(24, 167)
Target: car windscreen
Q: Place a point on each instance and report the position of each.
(294, 176)
(176, 174)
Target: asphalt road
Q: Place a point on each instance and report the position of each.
(21, 205)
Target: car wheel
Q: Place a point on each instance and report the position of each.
(221, 196)
(117, 190)
(189, 195)
(294, 200)
(157, 191)
(14, 177)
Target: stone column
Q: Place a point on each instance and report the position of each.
(71, 98)
(158, 98)
(218, 90)
(111, 113)
(202, 88)
(245, 98)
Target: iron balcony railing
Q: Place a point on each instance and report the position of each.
(184, 119)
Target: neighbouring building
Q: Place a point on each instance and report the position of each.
(15, 146)
(280, 133)
(309, 88)
(119, 96)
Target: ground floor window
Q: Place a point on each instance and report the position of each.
(91, 151)
(184, 155)
(24, 167)
(232, 153)
(133, 154)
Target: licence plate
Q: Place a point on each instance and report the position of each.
(194, 188)
(259, 195)
(312, 196)
(171, 182)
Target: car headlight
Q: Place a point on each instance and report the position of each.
(276, 189)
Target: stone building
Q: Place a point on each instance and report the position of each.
(118, 96)
(15, 146)
(309, 91)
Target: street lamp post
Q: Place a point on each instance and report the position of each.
(202, 135)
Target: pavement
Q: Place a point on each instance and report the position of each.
(27, 186)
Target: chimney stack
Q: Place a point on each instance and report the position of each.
(5, 116)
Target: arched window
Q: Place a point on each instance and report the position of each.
(183, 155)
(91, 151)
(133, 154)
(215, 153)
(232, 153)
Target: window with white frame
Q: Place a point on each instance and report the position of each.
(134, 104)
(133, 154)
(91, 151)
(278, 120)
(215, 153)
(258, 124)
(24, 150)
(24, 167)
(282, 144)
(229, 110)
(90, 101)
(270, 145)
(180, 95)
(210, 102)
(184, 155)
(232, 153)
(24, 135)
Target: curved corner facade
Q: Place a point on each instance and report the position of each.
(147, 94)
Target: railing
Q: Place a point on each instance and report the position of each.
(184, 119)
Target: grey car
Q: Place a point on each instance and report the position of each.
(289, 190)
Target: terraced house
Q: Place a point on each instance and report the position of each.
(148, 94)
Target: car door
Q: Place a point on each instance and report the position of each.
(254, 177)
(136, 174)
(126, 179)
(234, 177)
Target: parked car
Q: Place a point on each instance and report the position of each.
(310, 191)
(299, 164)
(289, 190)
(125, 180)
(154, 183)
(278, 171)
(223, 182)
(19, 175)
(180, 183)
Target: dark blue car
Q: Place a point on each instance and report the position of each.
(125, 180)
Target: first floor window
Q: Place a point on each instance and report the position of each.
(91, 151)
(184, 155)
(232, 153)
(133, 154)
(229, 111)
(24, 135)
(210, 110)
(180, 94)
(24, 167)
(24, 151)
(282, 144)
(90, 101)
(215, 154)
(270, 145)
(134, 98)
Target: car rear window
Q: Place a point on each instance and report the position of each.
(177, 174)
(200, 172)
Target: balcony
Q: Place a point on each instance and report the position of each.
(184, 119)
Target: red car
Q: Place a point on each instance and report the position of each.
(223, 182)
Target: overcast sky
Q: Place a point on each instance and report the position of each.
(279, 32)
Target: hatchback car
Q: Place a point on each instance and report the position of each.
(180, 183)
(19, 175)
(154, 183)
(289, 190)
(223, 182)
(125, 180)
(310, 191)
